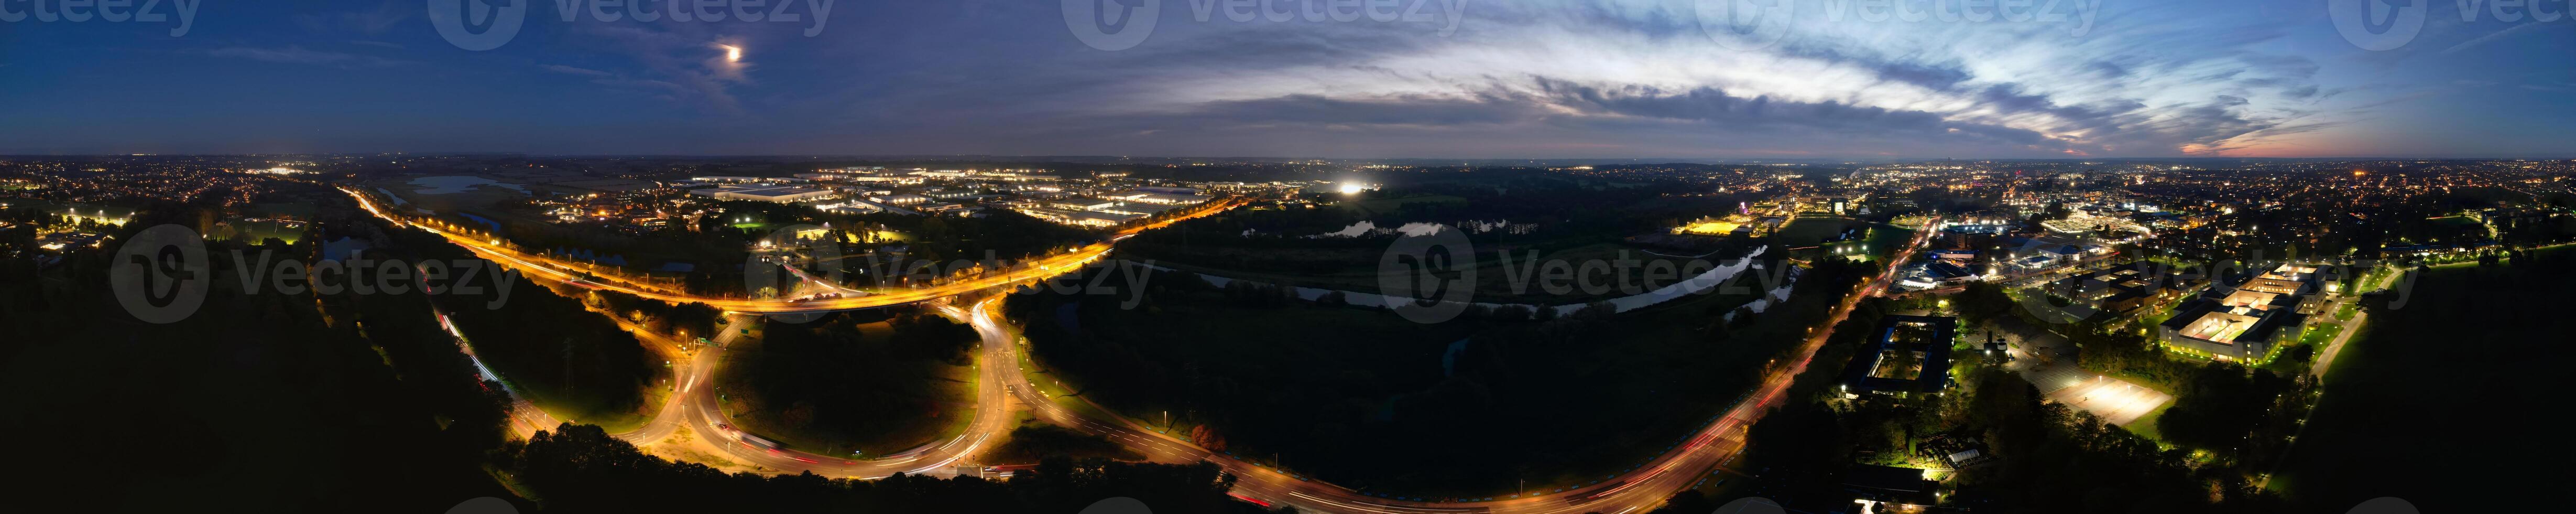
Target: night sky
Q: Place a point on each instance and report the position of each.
(1504, 79)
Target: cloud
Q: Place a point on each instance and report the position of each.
(679, 54)
(2108, 69)
(2158, 83)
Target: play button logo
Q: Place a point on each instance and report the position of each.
(2377, 25)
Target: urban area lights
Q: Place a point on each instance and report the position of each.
(1468, 282)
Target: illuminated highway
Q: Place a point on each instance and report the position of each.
(1644, 488)
(557, 271)
(694, 405)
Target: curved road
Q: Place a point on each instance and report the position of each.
(1027, 271)
(695, 407)
(1647, 486)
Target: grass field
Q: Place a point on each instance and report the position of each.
(1520, 275)
(949, 389)
(1809, 230)
(479, 196)
(578, 410)
(2429, 400)
(2145, 425)
(1343, 388)
(1880, 242)
(2320, 334)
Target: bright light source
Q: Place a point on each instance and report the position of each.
(1353, 187)
(732, 53)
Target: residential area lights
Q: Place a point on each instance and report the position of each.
(2098, 223)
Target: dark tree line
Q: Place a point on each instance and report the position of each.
(546, 344)
(2231, 410)
(294, 402)
(1034, 443)
(694, 319)
(580, 469)
(2049, 458)
(310, 402)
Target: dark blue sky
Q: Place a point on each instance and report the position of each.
(1501, 79)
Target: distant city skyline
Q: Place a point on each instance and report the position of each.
(1112, 160)
(1561, 79)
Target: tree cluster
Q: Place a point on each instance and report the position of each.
(578, 468)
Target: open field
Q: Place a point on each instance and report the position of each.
(1879, 240)
(2431, 416)
(1558, 404)
(1522, 274)
(845, 392)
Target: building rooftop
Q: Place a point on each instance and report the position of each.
(1921, 365)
